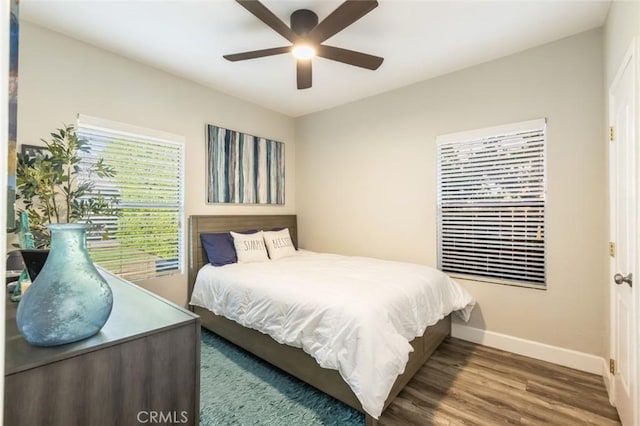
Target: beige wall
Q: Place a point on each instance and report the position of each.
(61, 77)
(623, 23)
(366, 180)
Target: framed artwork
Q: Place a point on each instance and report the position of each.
(243, 169)
(14, 25)
(33, 150)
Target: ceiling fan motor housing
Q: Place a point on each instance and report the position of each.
(303, 21)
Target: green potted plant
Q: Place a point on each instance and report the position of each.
(69, 300)
(57, 186)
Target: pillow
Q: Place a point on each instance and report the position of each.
(295, 246)
(279, 244)
(250, 247)
(219, 248)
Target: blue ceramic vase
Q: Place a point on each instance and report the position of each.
(69, 299)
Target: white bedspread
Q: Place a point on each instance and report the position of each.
(353, 314)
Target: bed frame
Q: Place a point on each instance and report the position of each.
(292, 360)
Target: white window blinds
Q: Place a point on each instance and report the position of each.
(145, 239)
(491, 203)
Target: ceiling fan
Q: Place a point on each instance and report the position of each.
(307, 35)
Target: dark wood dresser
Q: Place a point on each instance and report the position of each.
(143, 367)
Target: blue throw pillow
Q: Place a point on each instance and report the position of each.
(219, 248)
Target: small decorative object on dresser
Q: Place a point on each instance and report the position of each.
(69, 300)
(56, 185)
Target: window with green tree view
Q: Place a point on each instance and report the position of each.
(144, 238)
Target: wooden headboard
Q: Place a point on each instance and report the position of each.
(226, 223)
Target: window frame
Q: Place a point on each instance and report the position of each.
(487, 133)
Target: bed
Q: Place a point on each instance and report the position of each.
(293, 360)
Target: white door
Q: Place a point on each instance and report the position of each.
(624, 225)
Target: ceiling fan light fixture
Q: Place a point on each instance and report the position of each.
(303, 51)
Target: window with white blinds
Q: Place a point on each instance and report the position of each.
(491, 203)
(144, 239)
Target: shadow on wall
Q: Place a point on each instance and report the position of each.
(478, 318)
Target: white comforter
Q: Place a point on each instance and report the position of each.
(353, 314)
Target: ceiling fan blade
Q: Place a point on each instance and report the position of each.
(265, 15)
(257, 53)
(346, 14)
(350, 57)
(303, 69)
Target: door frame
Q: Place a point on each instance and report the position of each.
(632, 58)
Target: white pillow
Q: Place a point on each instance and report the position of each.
(250, 247)
(279, 243)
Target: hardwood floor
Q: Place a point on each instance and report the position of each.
(465, 383)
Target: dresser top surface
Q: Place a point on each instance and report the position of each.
(136, 313)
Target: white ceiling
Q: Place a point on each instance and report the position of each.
(418, 39)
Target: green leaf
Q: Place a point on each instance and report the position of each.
(55, 182)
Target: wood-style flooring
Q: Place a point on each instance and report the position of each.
(468, 384)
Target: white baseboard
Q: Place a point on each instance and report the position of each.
(561, 356)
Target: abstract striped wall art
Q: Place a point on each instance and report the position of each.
(14, 36)
(243, 169)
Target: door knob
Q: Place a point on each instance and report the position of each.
(619, 279)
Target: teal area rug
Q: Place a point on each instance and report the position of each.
(237, 388)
